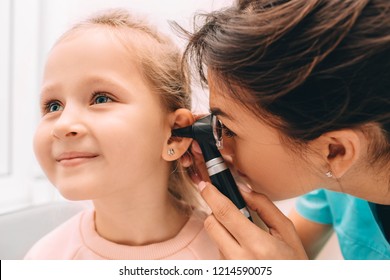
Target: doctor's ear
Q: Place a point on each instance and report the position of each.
(175, 147)
(341, 149)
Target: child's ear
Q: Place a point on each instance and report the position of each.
(175, 147)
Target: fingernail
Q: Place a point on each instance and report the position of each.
(201, 186)
(244, 187)
(196, 148)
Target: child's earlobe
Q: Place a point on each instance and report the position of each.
(171, 152)
(177, 146)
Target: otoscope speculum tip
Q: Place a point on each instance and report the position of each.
(183, 132)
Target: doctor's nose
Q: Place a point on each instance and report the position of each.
(69, 125)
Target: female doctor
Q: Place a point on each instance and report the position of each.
(302, 91)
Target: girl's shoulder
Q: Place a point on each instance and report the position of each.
(201, 246)
(59, 243)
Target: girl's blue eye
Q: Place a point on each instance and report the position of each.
(54, 107)
(101, 98)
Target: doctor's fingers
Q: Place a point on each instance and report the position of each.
(278, 224)
(198, 169)
(228, 215)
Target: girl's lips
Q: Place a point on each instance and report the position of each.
(75, 158)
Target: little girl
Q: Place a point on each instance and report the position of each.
(113, 89)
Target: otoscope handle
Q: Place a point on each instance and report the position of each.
(221, 177)
(202, 132)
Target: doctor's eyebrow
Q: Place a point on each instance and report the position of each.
(219, 112)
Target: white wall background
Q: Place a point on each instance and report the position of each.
(28, 29)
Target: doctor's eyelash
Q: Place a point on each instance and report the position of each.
(227, 132)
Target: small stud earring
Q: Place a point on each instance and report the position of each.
(329, 174)
(171, 152)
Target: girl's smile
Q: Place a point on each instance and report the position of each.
(69, 159)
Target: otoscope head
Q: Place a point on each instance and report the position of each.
(202, 132)
(184, 132)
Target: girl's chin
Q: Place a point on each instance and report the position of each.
(74, 194)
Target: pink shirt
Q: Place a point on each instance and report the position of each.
(77, 239)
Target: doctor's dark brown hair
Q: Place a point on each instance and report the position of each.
(304, 67)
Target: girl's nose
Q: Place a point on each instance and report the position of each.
(69, 126)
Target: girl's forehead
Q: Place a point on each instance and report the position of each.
(101, 37)
(127, 36)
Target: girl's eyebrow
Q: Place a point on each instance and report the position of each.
(51, 88)
(101, 80)
(48, 90)
(112, 83)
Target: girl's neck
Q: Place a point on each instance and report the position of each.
(138, 223)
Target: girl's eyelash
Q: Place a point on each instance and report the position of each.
(100, 94)
(45, 108)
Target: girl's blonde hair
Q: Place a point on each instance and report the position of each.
(160, 64)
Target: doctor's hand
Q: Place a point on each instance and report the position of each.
(198, 170)
(238, 238)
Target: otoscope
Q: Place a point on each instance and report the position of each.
(202, 131)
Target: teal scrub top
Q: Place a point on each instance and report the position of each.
(360, 236)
